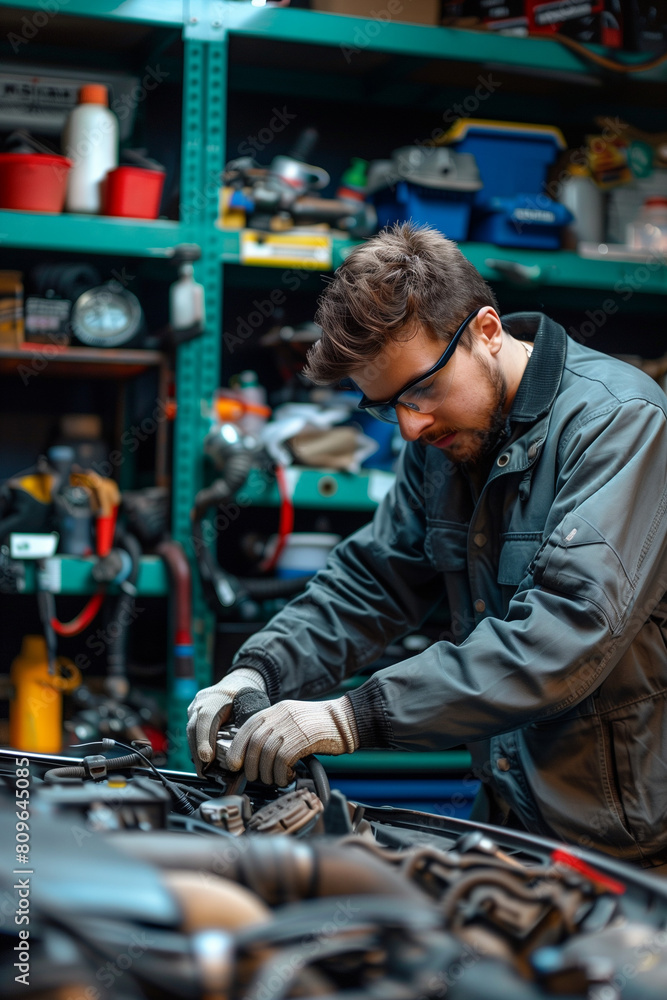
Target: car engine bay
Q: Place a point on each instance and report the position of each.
(141, 883)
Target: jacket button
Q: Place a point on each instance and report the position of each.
(480, 539)
(532, 451)
(503, 764)
(503, 459)
(480, 606)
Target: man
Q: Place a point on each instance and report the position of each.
(531, 497)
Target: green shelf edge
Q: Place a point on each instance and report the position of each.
(76, 577)
(382, 761)
(403, 38)
(319, 489)
(559, 268)
(155, 12)
(92, 234)
(212, 21)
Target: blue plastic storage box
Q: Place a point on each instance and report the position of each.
(512, 158)
(520, 222)
(448, 211)
(427, 184)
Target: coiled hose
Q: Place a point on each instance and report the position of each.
(78, 771)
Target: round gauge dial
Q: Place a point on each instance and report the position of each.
(107, 316)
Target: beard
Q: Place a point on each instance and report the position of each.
(472, 444)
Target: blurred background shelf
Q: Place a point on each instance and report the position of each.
(73, 575)
(86, 362)
(316, 488)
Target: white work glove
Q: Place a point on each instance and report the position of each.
(211, 708)
(270, 742)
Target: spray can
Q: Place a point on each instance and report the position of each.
(36, 707)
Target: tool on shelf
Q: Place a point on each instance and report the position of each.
(280, 196)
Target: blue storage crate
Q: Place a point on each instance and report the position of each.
(447, 211)
(511, 158)
(521, 222)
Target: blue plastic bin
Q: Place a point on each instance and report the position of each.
(512, 159)
(448, 211)
(520, 222)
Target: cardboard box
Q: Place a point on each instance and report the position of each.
(11, 308)
(415, 11)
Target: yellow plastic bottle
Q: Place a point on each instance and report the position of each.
(36, 707)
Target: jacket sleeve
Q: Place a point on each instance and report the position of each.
(599, 573)
(376, 586)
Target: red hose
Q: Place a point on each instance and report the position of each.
(82, 620)
(286, 523)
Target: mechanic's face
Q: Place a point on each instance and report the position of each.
(472, 389)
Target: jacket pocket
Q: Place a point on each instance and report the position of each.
(638, 748)
(578, 561)
(446, 545)
(516, 554)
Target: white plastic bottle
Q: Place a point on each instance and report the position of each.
(90, 140)
(186, 300)
(584, 198)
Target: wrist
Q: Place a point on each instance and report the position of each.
(347, 723)
(252, 678)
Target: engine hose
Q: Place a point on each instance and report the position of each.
(117, 655)
(319, 776)
(113, 764)
(278, 869)
(507, 880)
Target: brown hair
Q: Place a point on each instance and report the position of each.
(405, 278)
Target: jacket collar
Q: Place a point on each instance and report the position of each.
(539, 385)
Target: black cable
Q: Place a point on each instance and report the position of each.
(178, 798)
(117, 654)
(319, 776)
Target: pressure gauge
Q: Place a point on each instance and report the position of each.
(106, 316)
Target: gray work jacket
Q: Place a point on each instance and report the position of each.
(556, 581)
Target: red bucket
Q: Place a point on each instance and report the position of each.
(33, 182)
(134, 192)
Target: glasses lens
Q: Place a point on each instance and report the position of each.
(384, 412)
(428, 394)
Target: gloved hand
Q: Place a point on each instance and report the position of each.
(211, 708)
(273, 740)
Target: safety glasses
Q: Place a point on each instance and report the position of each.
(424, 393)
